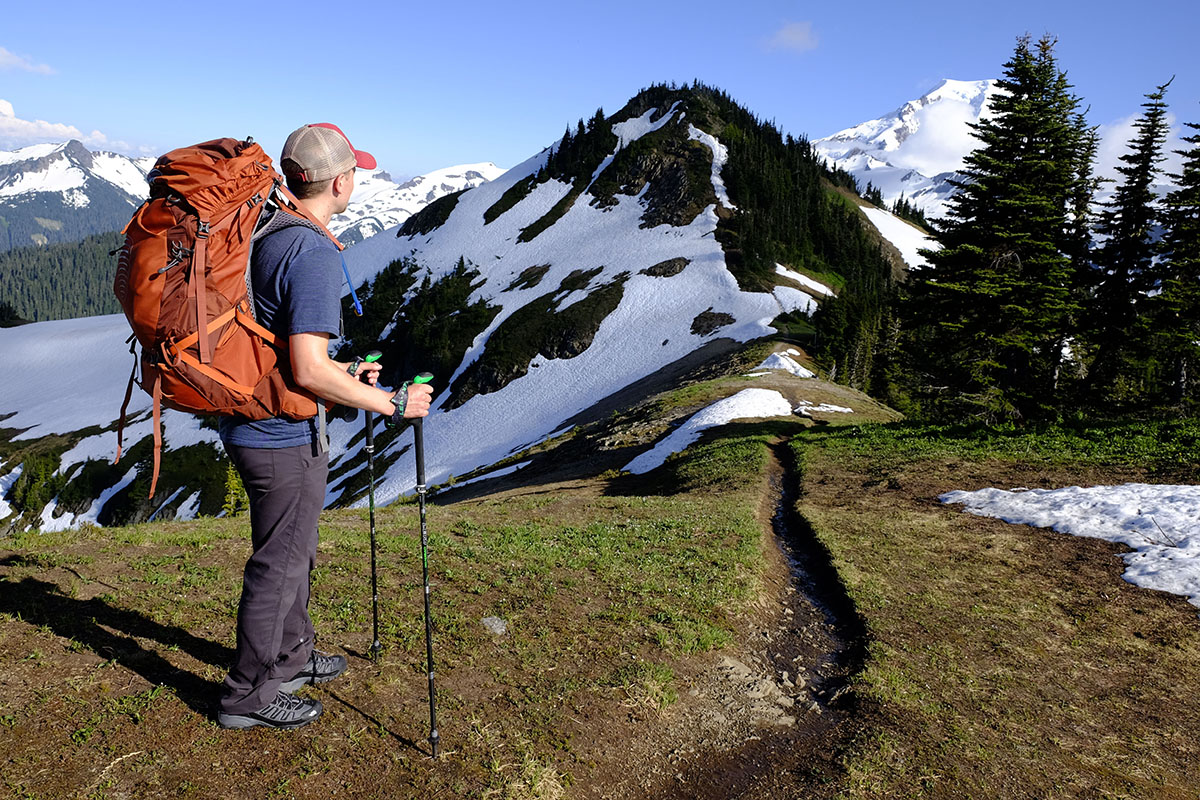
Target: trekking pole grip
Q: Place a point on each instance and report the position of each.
(419, 434)
(370, 358)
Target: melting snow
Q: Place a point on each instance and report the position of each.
(6, 483)
(907, 239)
(499, 473)
(1157, 522)
(746, 404)
(808, 408)
(794, 300)
(66, 521)
(785, 362)
(804, 280)
(630, 131)
(720, 156)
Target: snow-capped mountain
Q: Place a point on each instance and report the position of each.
(596, 265)
(915, 150)
(380, 203)
(63, 192)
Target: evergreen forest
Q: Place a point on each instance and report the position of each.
(59, 281)
(1042, 304)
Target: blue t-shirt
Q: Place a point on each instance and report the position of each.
(296, 274)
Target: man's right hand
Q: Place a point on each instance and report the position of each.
(419, 397)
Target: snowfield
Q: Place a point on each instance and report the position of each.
(1157, 522)
(650, 329)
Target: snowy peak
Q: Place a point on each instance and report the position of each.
(63, 192)
(380, 203)
(67, 169)
(914, 150)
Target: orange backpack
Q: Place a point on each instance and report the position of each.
(183, 281)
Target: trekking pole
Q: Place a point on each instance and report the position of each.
(372, 356)
(419, 444)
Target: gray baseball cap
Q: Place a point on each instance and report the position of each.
(321, 151)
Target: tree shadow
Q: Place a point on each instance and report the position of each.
(88, 622)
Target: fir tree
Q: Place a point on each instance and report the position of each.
(990, 314)
(1175, 311)
(1117, 321)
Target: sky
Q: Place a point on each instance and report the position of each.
(429, 85)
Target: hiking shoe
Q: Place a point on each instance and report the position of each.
(285, 711)
(321, 668)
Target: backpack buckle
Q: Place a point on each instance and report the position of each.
(178, 254)
(170, 353)
(202, 229)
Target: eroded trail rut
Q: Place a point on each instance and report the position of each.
(786, 696)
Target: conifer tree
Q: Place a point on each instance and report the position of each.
(1117, 319)
(989, 315)
(1175, 311)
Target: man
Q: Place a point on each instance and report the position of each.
(296, 273)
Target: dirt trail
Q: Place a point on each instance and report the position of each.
(773, 720)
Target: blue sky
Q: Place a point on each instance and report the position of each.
(427, 85)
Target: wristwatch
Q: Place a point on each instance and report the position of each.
(399, 401)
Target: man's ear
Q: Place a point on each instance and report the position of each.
(341, 184)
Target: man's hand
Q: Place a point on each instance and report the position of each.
(314, 370)
(419, 396)
(365, 371)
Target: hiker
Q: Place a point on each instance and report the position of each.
(296, 274)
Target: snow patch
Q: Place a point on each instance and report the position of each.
(67, 521)
(794, 300)
(1157, 522)
(807, 408)
(720, 156)
(746, 404)
(189, 508)
(804, 281)
(907, 238)
(6, 483)
(787, 364)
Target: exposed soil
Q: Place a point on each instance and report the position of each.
(784, 716)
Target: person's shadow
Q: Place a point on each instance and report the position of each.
(40, 603)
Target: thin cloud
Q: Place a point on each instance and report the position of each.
(9, 60)
(795, 36)
(16, 132)
(1114, 143)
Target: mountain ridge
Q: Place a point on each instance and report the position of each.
(615, 256)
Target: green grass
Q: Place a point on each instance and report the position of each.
(1159, 446)
(1003, 660)
(604, 596)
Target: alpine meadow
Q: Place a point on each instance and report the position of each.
(757, 467)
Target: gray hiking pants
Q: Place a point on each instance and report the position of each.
(286, 487)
